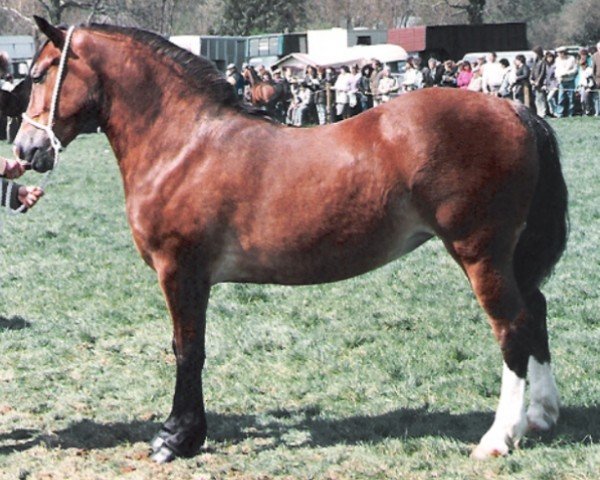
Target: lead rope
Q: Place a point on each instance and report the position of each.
(54, 141)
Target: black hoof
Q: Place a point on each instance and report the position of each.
(167, 446)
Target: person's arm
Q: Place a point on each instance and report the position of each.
(19, 195)
(521, 74)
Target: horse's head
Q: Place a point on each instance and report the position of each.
(61, 100)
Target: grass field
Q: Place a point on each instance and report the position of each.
(391, 375)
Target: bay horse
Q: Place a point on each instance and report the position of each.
(269, 95)
(215, 194)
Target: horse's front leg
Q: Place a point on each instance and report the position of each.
(186, 292)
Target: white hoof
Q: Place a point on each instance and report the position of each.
(541, 418)
(495, 443)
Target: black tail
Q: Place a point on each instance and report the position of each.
(545, 237)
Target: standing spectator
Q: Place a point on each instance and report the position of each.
(304, 102)
(331, 78)
(584, 82)
(354, 104)
(283, 86)
(448, 74)
(375, 77)
(538, 81)
(387, 86)
(310, 77)
(364, 88)
(504, 90)
(596, 77)
(413, 78)
(432, 73)
(236, 80)
(342, 87)
(551, 83)
(464, 75)
(321, 96)
(492, 74)
(521, 87)
(566, 70)
(312, 82)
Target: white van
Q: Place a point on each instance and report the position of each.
(509, 55)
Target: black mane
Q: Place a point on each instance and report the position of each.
(200, 72)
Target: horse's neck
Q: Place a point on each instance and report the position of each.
(140, 103)
(255, 78)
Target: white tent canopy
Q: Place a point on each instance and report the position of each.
(360, 54)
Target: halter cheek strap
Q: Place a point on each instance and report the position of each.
(48, 128)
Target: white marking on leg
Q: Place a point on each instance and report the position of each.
(510, 423)
(544, 405)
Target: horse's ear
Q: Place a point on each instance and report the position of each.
(54, 34)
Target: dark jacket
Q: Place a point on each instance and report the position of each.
(596, 68)
(538, 74)
(14, 194)
(448, 78)
(433, 77)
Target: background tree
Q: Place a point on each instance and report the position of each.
(261, 16)
(474, 10)
(541, 17)
(54, 10)
(579, 22)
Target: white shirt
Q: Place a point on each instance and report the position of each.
(492, 75)
(566, 68)
(413, 78)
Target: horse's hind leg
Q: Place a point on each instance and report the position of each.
(184, 432)
(515, 326)
(542, 413)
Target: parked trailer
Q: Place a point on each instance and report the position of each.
(20, 50)
(268, 48)
(222, 50)
(454, 41)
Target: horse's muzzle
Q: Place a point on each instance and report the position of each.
(42, 161)
(38, 159)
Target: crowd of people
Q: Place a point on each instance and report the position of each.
(554, 84)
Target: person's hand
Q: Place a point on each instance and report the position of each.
(29, 196)
(12, 168)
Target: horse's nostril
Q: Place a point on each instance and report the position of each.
(29, 154)
(42, 160)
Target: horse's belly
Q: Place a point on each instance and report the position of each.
(326, 261)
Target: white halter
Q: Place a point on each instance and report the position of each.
(48, 128)
(54, 141)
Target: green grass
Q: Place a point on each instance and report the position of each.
(391, 375)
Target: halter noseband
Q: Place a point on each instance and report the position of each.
(54, 141)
